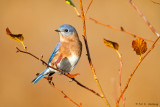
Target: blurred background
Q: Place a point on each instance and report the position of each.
(37, 20)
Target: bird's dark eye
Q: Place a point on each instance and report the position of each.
(66, 30)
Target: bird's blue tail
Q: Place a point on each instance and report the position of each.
(40, 76)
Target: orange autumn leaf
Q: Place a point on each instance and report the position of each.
(17, 37)
(111, 44)
(139, 46)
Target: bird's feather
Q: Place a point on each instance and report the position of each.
(54, 52)
(41, 75)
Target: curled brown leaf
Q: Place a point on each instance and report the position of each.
(140, 46)
(17, 37)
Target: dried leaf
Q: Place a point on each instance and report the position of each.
(17, 37)
(70, 2)
(111, 44)
(140, 46)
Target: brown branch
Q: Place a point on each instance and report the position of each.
(65, 96)
(86, 87)
(122, 29)
(83, 19)
(155, 2)
(18, 50)
(131, 76)
(78, 83)
(88, 54)
(88, 7)
(144, 18)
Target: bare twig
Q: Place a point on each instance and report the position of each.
(114, 83)
(78, 83)
(88, 7)
(88, 54)
(122, 29)
(155, 2)
(130, 77)
(18, 50)
(144, 18)
(120, 76)
(65, 96)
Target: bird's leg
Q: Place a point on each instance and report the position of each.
(62, 72)
(50, 78)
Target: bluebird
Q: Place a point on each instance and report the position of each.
(66, 53)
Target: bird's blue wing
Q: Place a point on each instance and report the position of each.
(54, 52)
(43, 74)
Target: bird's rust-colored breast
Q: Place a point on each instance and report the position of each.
(69, 46)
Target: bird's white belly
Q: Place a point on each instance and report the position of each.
(73, 60)
(68, 64)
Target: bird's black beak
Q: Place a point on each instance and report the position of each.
(57, 30)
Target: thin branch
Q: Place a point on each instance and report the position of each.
(122, 29)
(83, 19)
(115, 96)
(88, 54)
(120, 76)
(131, 76)
(144, 18)
(155, 2)
(78, 83)
(65, 96)
(26, 52)
(88, 7)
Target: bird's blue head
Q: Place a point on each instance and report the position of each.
(66, 30)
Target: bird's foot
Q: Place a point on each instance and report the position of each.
(49, 78)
